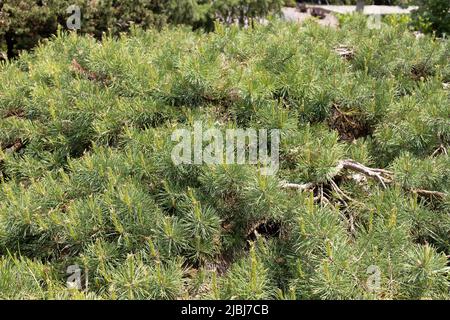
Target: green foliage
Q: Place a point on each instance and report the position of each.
(248, 279)
(87, 176)
(432, 16)
(430, 174)
(22, 278)
(398, 20)
(24, 23)
(135, 279)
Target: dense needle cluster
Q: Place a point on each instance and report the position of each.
(87, 176)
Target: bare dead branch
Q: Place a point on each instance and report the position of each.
(339, 191)
(296, 186)
(345, 52)
(429, 193)
(92, 76)
(15, 147)
(439, 150)
(384, 176)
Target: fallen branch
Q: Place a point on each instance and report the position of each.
(92, 76)
(339, 191)
(300, 187)
(384, 176)
(16, 146)
(345, 52)
(440, 150)
(18, 112)
(429, 193)
(305, 187)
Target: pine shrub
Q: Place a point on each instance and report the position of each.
(87, 176)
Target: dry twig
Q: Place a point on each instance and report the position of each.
(345, 52)
(384, 176)
(429, 193)
(296, 186)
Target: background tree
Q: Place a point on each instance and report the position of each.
(432, 16)
(23, 23)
